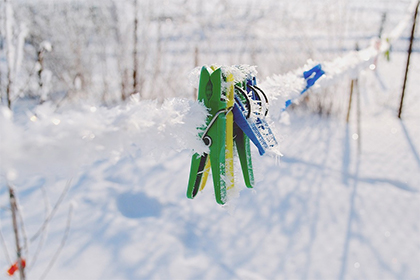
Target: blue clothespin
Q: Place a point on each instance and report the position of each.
(259, 125)
(241, 121)
(311, 76)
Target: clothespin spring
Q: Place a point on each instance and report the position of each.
(206, 139)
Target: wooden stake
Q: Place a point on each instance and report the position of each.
(359, 121)
(408, 59)
(350, 99)
(353, 81)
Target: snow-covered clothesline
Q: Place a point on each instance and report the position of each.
(290, 86)
(59, 143)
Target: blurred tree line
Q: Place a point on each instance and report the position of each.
(104, 51)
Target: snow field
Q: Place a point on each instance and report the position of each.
(323, 211)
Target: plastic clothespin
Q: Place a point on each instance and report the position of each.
(242, 142)
(242, 135)
(236, 117)
(14, 267)
(209, 92)
(257, 120)
(241, 114)
(311, 78)
(251, 119)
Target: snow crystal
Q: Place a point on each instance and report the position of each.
(239, 72)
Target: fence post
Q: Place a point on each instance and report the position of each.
(359, 119)
(353, 81)
(408, 59)
(350, 99)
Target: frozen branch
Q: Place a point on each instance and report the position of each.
(54, 210)
(63, 242)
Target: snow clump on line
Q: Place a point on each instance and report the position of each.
(53, 143)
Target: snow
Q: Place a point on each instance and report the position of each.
(329, 209)
(323, 212)
(69, 140)
(45, 46)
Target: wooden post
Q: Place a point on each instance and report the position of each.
(408, 59)
(382, 25)
(354, 86)
(350, 99)
(353, 81)
(13, 207)
(359, 121)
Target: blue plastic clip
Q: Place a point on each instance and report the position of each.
(259, 125)
(311, 76)
(243, 124)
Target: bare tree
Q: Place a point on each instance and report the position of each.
(135, 50)
(8, 18)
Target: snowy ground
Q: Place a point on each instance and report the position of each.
(328, 209)
(323, 212)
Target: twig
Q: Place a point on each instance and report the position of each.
(24, 235)
(25, 85)
(6, 251)
(54, 210)
(44, 232)
(63, 242)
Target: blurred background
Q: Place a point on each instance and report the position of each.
(343, 203)
(104, 51)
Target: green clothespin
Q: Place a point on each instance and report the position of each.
(210, 93)
(242, 143)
